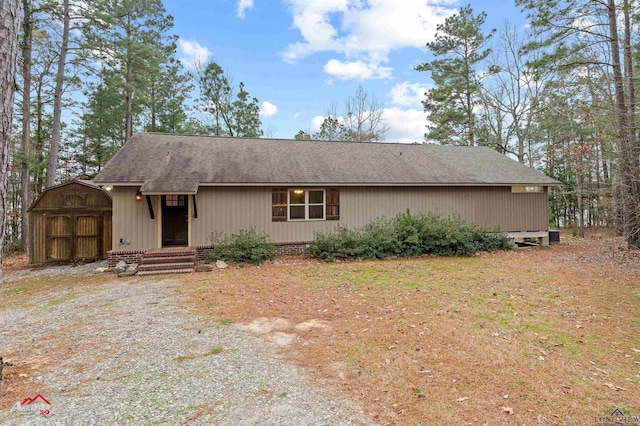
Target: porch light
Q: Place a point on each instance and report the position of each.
(108, 187)
(138, 195)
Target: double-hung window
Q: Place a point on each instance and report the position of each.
(298, 204)
(306, 204)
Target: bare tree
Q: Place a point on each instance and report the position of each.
(9, 30)
(364, 117)
(510, 97)
(362, 120)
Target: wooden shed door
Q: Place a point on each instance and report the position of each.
(88, 237)
(175, 220)
(59, 237)
(74, 237)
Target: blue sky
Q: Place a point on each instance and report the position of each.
(299, 56)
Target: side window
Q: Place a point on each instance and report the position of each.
(333, 204)
(279, 205)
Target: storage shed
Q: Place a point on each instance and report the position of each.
(70, 222)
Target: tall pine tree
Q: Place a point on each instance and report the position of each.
(130, 38)
(459, 48)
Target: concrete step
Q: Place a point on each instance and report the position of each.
(165, 272)
(166, 266)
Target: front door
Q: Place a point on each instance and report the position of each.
(175, 220)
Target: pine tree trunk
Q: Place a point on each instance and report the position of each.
(628, 147)
(128, 121)
(25, 192)
(632, 172)
(128, 127)
(54, 146)
(9, 30)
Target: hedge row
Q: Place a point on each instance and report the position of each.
(408, 235)
(404, 235)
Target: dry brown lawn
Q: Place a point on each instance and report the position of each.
(532, 336)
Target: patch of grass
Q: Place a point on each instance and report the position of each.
(22, 291)
(225, 321)
(60, 300)
(282, 395)
(14, 290)
(183, 358)
(213, 351)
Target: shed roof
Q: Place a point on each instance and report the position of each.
(84, 182)
(178, 163)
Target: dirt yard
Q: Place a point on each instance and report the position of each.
(531, 336)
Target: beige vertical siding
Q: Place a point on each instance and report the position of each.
(107, 233)
(131, 220)
(223, 209)
(230, 209)
(513, 211)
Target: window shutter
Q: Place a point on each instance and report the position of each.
(332, 204)
(279, 205)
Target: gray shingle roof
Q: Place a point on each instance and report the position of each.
(174, 163)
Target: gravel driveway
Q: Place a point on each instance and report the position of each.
(125, 353)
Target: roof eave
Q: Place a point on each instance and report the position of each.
(372, 184)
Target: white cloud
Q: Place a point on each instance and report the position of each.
(358, 70)
(364, 32)
(405, 125)
(408, 94)
(316, 122)
(268, 109)
(192, 53)
(243, 6)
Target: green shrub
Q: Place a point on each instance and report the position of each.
(247, 246)
(408, 235)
